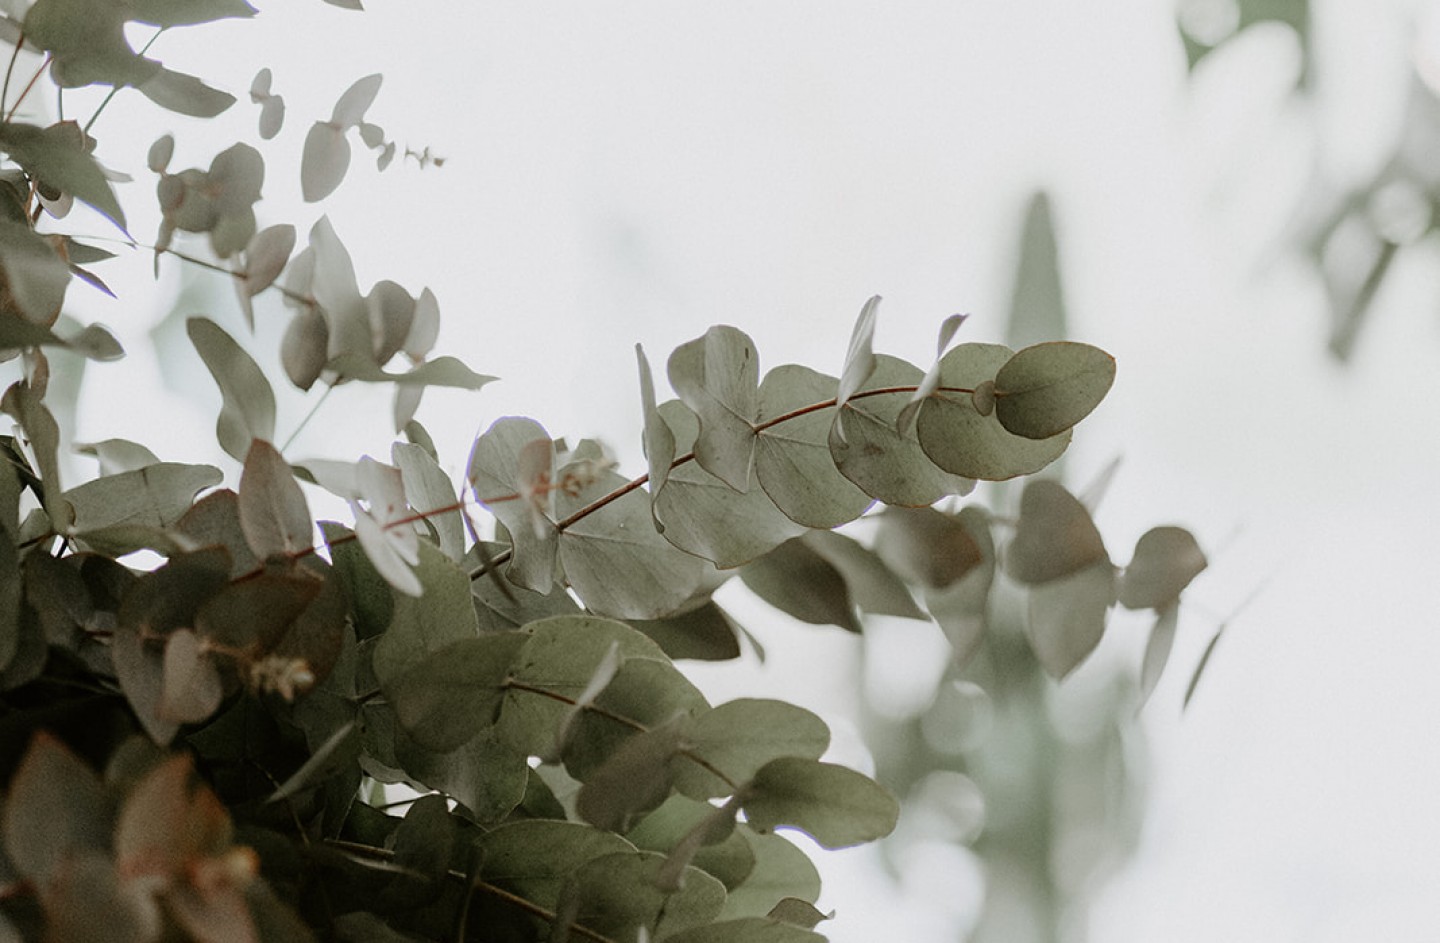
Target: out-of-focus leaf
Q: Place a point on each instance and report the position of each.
(960, 608)
(192, 688)
(339, 749)
(185, 94)
(89, 901)
(717, 376)
(634, 780)
(442, 371)
(1037, 303)
(166, 825)
(167, 13)
(424, 326)
(800, 582)
(1054, 538)
(56, 155)
(836, 806)
(1067, 617)
(1157, 649)
(273, 512)
(266, 257)
(792, 457)
(905, 419)
(738, 737)
(118, 455)
(214, 521)
(1046, 389)
(1201, 665)
(351, 107)
(1166, 559)
(873, 585)
(55, 807)
(392, 312)
(153, 496)
(28, 407)
(324, 161)
(926, 547)
(304, 348)
(248, 411)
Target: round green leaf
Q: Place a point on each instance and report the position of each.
(716, 376)
(1055, 536)
(1166, 559)
(962, 441)
(739, 737)
(1046, 389)
(537, 858)
(619, 894)
(836, 806)
(792, 450)
(446, 698)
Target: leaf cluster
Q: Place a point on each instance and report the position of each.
(206, 744)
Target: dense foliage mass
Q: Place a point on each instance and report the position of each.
(199, 747)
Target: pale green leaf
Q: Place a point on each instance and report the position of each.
(875, 450)
(167, 13)
(716, 376)
(873, 586)
(926, 547)
(154, 496)
(1037, 304)
(615, 559)
(860, 356)
(429, 492)
(704, 516)
(659, 440)
(510, 468)
(248, 411)
(185, 94)
(1157, 649)
(1067, 617)
(442, 371)
(355, 101)
(792, 451)
(324, 161)
(960, 608)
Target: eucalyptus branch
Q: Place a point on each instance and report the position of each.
(10, 68)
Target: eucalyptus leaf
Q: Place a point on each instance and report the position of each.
(154, 496)
(55, 807)
(185, 94)
(56, 155)
(430, 493)
(963, 441)
(738, 737)
(1054, 538)
(800, 582)
(451, 694)
(836, 806)
(35, 276)
(1157, 649)
(273, 513)
(619, 895)
(248, 411)
(792, 451)
(1046, 389)
(860, 357)
(1166, 559)
(536, 858)
(324, 161)
(1067, 617)
(424, 624)
(351, 107)
(717, 376)
(873, 585)
(510, 468)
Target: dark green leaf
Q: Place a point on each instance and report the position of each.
(337, 752)
(486, 776)
(619, 894)
(371, 601)
(447, 697)
(56, 155)
(192, 688)
(705, 632)
(719, 848)
(748, 930)
(643, 694)
(425, 624)
(214, 521)
(1046, 389)
(35, 277)
(796, 580)
(798, 912)
(834, 805)
(635, 779)
(537, 857)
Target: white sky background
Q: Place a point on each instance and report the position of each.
(636, 172)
